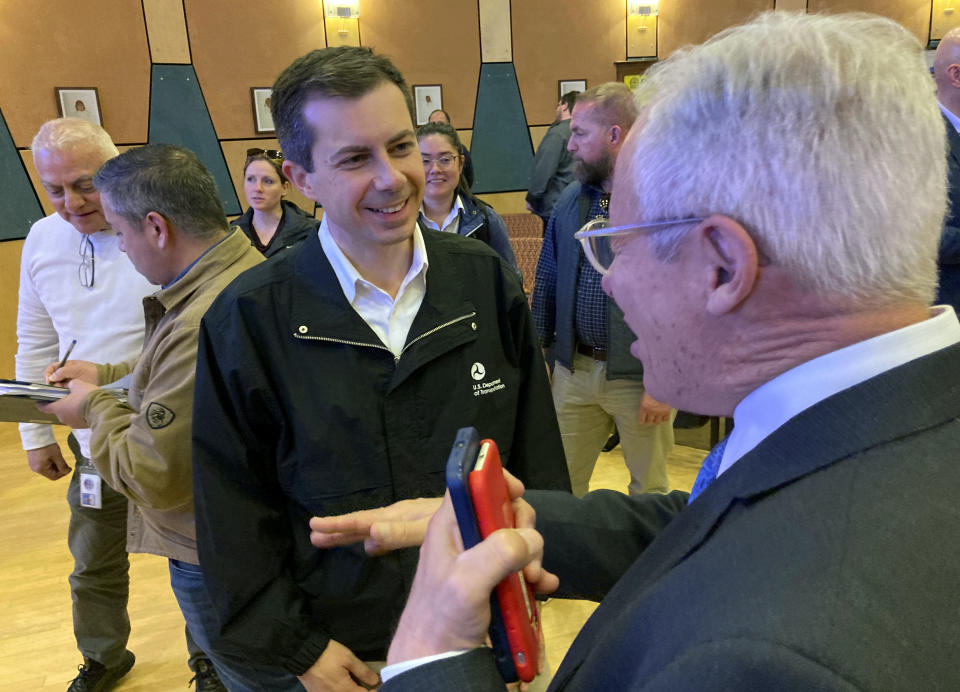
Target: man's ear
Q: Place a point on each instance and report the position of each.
(732, 261)
(299, 176)
(158, 229)
(953, 72)
(616, 135)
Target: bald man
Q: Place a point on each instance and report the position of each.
(946, 73)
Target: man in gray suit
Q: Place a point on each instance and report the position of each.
(805, 156)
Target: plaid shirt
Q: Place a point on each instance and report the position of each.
(591, 306)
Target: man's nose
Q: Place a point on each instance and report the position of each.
(389, 176)
(72, 200)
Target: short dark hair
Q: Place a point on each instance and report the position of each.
(167, 179)
(344, 72)
(569, 99)
(439, 110)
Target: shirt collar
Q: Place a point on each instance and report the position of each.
(948, 114)
(179, 276)
(457, 206)
(348, 275)
(773, 403)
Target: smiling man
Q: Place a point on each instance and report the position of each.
(335, 377)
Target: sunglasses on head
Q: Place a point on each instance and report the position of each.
(269, 153)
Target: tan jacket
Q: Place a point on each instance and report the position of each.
(142, 448)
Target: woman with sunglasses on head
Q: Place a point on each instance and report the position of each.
(271, 222)
(448, 205)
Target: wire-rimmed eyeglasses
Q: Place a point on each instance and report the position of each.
(445, 161)
(600, 239)
(87, 262)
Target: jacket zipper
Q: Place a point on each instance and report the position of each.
(396, 359)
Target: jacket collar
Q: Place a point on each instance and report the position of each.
(324, 311)
(221, 254)
(953, 139)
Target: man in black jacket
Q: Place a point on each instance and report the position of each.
(336, 378)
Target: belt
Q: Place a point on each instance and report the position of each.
(595, 353)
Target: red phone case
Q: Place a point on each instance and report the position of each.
(491, 502)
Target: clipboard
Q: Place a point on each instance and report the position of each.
(18, 401)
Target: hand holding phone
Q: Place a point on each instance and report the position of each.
(481, 503)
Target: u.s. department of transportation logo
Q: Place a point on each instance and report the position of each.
(159, 416)
(477, 371)
(482, 386)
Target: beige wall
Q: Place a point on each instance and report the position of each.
(237, 44)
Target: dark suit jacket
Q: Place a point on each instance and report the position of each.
(828, 558)
(949, 255)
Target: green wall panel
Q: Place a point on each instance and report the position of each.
(178, 115)
(500, 148)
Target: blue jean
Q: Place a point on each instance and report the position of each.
(236, 675)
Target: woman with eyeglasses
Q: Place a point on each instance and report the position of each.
(448, 205)
(271, 222)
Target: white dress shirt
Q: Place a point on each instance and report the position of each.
(389, 318)
(772, 404)
(451, 224)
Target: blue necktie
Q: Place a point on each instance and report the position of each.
(708, 471)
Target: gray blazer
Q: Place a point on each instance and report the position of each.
(827, 558)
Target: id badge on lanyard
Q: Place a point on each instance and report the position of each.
(91, 487)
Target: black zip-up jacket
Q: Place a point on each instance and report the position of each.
(295, 225)
(301, 410)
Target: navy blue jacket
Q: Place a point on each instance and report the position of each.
(554, 302)
(949, 256)
(825, 559)
(480, 221)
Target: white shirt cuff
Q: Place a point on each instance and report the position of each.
(395, 669)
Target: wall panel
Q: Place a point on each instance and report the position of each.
(683, 22)
(9, 288)
(564, 39)
(237, 45)
(167, 31)
(433, 42)
(913, 14)
(65, 43)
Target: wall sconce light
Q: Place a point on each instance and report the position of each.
(639, 8)
(342, 9)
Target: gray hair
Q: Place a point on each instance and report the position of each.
(72, 133)
(820, 134)
(165, 179)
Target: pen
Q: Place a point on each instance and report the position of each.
(67, 354)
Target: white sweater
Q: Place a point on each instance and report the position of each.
(106, 319)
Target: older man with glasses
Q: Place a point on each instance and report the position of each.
(76, 284)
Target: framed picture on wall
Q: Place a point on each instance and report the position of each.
(262, 117)
(428, 97)
(568, 85)
(79, 102)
